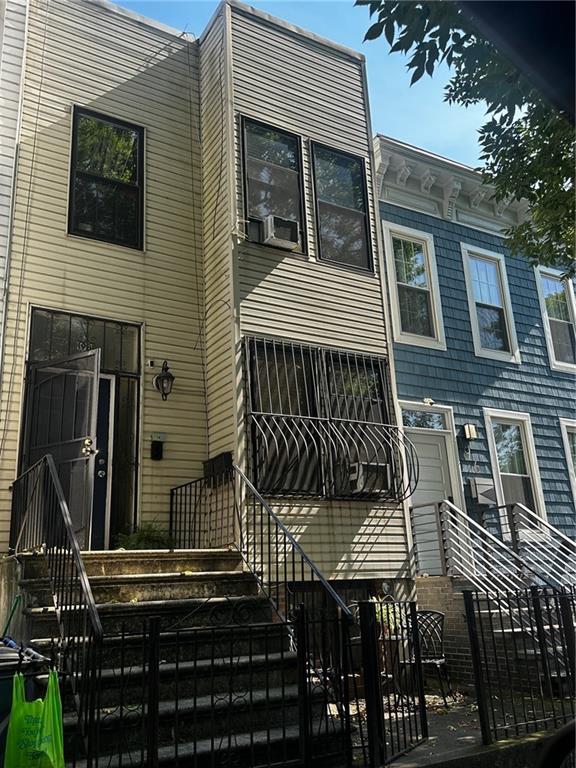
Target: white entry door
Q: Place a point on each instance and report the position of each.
(434, 485)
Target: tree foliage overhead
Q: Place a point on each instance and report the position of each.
(527, 146)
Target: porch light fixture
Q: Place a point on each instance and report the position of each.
(470, 433)
(164, 381)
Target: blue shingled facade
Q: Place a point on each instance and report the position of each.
(458, 378)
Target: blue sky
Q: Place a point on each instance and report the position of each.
(417, 114)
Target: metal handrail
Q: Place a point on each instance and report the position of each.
(555, 558)
(493, 551)
(41, 521)
(314, 571)
(227, 510)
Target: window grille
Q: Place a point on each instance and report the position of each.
(319, 424)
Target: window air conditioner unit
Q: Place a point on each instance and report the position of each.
(370, 477)
(281, 233)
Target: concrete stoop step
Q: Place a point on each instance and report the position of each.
(227, 676)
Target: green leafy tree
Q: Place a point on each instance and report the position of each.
(527, 146)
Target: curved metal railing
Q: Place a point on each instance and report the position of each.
(305, 456)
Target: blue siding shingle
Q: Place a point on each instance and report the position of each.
(458, 378)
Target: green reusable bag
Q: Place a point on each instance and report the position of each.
(35, 734)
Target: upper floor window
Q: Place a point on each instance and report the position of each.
(273, 185)
(568, 428)
(490, 307)
(415, 296)
(513, 458)
(559, 314)
(107, 180)
(341, 207)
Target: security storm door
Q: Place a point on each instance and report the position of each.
(61, 413)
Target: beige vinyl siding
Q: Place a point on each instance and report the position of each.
(349, 540)
(88, 54)
(217, 230)
(301, 85)
(317, 92)
(12, 29)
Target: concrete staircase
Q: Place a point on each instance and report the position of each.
(227, 684)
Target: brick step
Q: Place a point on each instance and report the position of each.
(141, 587)
(202, 717)
(189, 644)
(193, 612)
(279, 746)
(127, 561)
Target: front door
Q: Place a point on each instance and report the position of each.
(61, 413)
(434, 485)
(100, 536)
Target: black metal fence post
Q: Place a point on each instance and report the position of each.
(477, 668)
(542, 640)
(344, 649)
(567, 617)
(303, 688)
(152, 719)
(372, 684)
(418, 670)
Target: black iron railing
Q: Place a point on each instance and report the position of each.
(41, 523)
(523, 653)
(303, 456)
(236, 694)
(319, 424)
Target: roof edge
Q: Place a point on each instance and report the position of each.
(286, 25)
(144, 20)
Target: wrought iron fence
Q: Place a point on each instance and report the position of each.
(391, 674)
(523, 653)
(41, 522)
(216, 695)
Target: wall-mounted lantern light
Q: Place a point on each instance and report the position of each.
(164, 381)
(470, 433)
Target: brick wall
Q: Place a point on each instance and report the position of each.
(440, 593)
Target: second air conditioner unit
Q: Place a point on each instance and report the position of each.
(281, 233)
(370, 477)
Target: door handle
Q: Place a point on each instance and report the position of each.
(87, 449)
(101, 473)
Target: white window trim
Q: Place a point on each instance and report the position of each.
(556, 365)
(438, 341)
(451, 443)
(525, 423)
(509, 357)
(569, 425)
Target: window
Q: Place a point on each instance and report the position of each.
(318, 423)
(559, 315)
(417, 419)
(415, 295)
(490, 307)
(107, 184)
(272, 161)
(514, 458)
(341, 208)
(568, 428)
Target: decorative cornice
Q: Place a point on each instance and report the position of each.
(413, 178)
